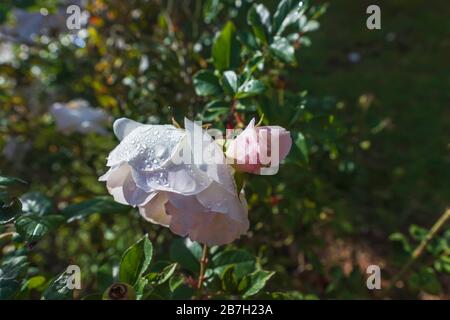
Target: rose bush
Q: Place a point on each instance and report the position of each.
(190, 220)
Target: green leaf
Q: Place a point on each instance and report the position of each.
(284, 7)
(228, 279)
(217, 104)
(35, 282)
(206, 83)
(33, 227)
(309, 26)
(250, 88)
(256, 62)
(417, 232)
(226, 50)
(243, 262)
(175, 282)
(10, 210)
(11, 270)
(258, 18)
(230, 81)
(105, 275)
(140, 286)
(158, 278)
(36, 203)
(4, 10)
(443, 264)
(7, 181)
(287, 13)
(102, 205)
(399, 237)
(182, 292)
(426, 280)
(254, 282)
(58, 289)
(215, 109)
(135, 261)
(187, 253)
(211, 9)
(283, 49)
(8, 288)
(247, 39)
(301, 144)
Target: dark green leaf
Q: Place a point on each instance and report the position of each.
(259, 19)
(7, 181)
(283, 9)
(102, 205)
(211, 9)
(228, 279)
(33, 227)
(10, 210)
(58, 289)
(36, 203)
(301, 144)
(217, 104)
(215, 109)
(254, 282)
(283, 49)
(288, 12)
(256, 62)
(247, 39)
(135, 261)
(425, 279)
(175, 282)
(250, 88)
(158, 278)
(230, 81)
(206, 83)
(186, 253)
(11, 270)
(242, 260)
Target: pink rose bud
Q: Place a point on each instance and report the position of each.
(259, 150)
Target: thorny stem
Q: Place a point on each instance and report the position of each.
(417, 253)
(203, 262)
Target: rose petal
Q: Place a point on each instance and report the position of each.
(154, 211)
(147, 147)
(123, 126)
(115, 179)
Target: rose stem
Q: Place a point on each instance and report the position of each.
(422, 246)
(203, 262)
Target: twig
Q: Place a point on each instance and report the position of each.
(417, 253)
(203, 262)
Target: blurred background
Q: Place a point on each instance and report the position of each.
(368, 176)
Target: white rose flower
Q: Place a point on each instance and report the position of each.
(151, 169)
(6, 53)
(78, 116)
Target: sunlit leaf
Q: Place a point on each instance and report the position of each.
(226, 51)
(135, 261)
(283, 49)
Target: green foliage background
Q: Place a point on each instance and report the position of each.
(367, 177)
